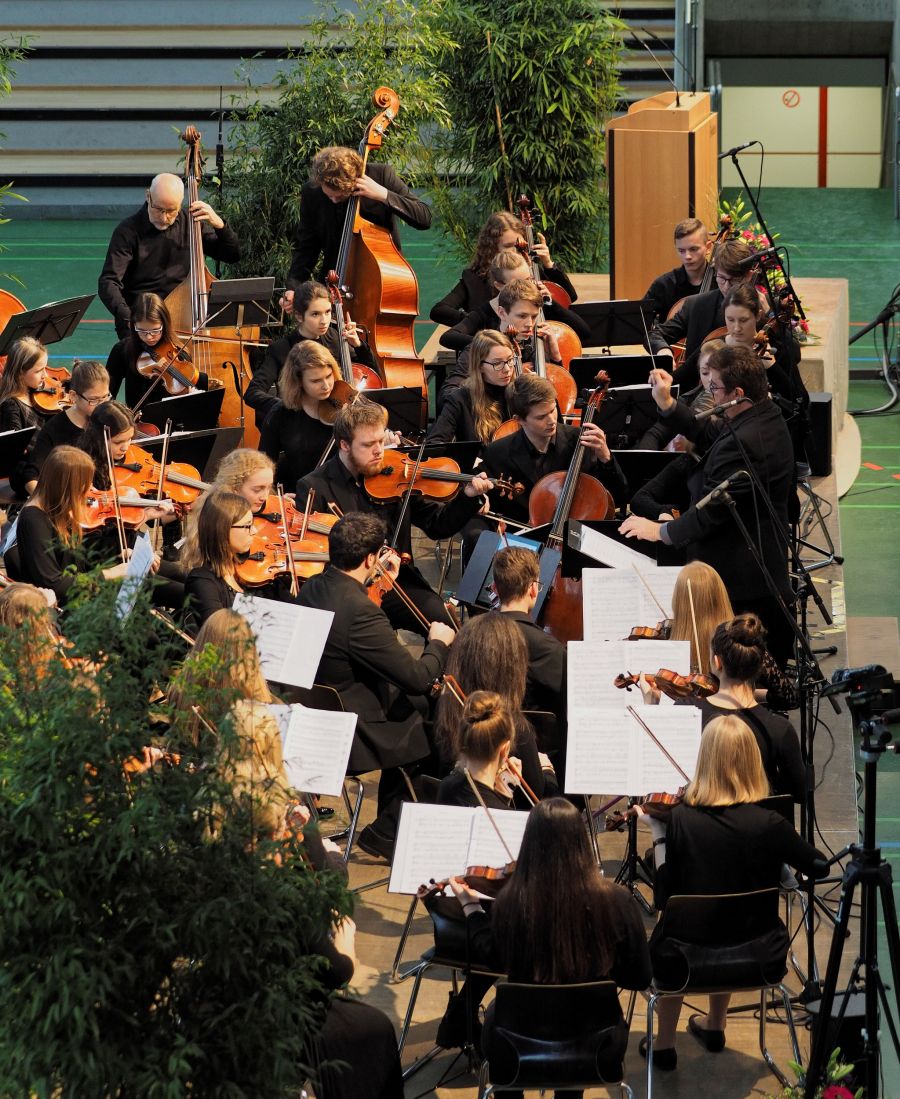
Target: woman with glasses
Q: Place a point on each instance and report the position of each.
(89, 388)
(151, 326)
(224, 533)
(476, 408)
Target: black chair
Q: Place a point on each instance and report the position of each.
(731, 942)
(554, 1036)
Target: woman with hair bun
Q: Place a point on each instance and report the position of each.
(484, 739)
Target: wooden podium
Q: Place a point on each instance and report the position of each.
(662, 166)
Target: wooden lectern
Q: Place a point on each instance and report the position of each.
(662, 166)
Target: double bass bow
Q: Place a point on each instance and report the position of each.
(374, 275)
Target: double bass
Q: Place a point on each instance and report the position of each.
(9, 306)
(374, 276)
(216, 351)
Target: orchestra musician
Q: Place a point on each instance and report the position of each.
(89, 387)
(484, 743)
(660, 436)
(375, 676)
(719, 841)
(312, 315)
(335, 174)
(544, 445)
(692, 246)
(25, 371)
(149, 252)
(757, 430)
(359, 429)
(299, 429)
(223, 533)
(702, 313)
(150, 327)
(517, 584)
(476, 407)
(506, 268)
(501, 232)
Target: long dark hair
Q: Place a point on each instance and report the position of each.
(553, 920)
(118, 418)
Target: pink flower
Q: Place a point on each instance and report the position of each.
(747, 234)
(837, 1091)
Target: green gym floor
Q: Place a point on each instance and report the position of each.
(829, 233)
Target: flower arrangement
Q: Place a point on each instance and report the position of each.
(831, 1087)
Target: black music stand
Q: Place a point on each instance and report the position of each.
(641, 466)
(203, 450)
(48, 323)
(474, 588)
(614, 323)
(404, 407)
(622, 369)
(574, 560)
(13, 445)
(626, 414)
(233, 303)
(188, 411)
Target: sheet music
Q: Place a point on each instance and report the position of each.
(315, 746)
(11, 535)
(440, 841)
(609, 552)
(609, 753)
(290, 639)
(616, 600)
(139, 564)
(592, 667)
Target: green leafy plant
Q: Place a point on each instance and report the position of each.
(830, 1088)
(12, 50)
(531, 87)
(322, 97)
(139, 955)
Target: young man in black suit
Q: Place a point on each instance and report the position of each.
(375, 675)
(692, 246)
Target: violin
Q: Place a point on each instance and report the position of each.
(160, 362)
(342, 393)
(662, 631)
(658, 806)
(357, 376)
(54, 397)
(268, 521)
(140, 472)
(101, 509)
(488, 880)
(265, 561)
(679, 687)
(436, 478)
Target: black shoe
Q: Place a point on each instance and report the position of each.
(712, 1040)
(374, 843)
(664, 1059)
(324, 812)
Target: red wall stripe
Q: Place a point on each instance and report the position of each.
(823, 137)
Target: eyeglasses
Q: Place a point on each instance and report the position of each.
(504, 365)
(94, 400)
(148, 331)
(726, 280)
(713, 388)
(242, 526)
(166, 211)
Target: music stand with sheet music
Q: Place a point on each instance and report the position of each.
(626, 414)
(641, 466)
(194, 411)
(48, 323)
(573, 560)
(203, 450)
(234, 303)
(622, 369)
(404, 407)
(13, 445)
(474, 588)
(616, 323)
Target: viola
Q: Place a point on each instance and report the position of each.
(172, 364)
(436, 478)
(342, 393)
(679, 687)
(141, 472)
(355, 375)
(54, 395)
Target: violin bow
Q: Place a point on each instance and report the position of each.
(659, 744)
(307, 511)
(490, 815)
(407, 496)
(163, 462)
(650, 591)
(288, 549)
(120, 526)
(694, 623)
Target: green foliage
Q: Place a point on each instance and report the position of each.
(550, 71)
(324, 97)
(830, 1087)
(12, 50)
(138, 955)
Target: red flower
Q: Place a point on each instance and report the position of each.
(837, 1091)
(747, 234)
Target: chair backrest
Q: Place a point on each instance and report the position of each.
(780, 803)
(721, 918)
(556, 1035)
(546, 729)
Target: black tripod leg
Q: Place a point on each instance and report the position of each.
(892, 934)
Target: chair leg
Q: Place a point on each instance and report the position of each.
(397, 977)
(763, 1048)
(413, 996)
(626, 1090)
(651, 1008)
(592, 832)
(485, 1088)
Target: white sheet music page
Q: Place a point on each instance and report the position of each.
(592, 667)
(485, 848)
(315, 745)
(432, 842)
(616, 600)
(609, 552)
(290, 639)
(678, 728)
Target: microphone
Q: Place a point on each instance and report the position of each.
(737, 149)
(720, 488)
(665, 45)
(659, 65)
(719, 409)
(757, 257)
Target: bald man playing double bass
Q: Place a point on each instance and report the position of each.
(149, 252)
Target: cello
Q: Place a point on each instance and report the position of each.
(9, 306)
(214, 350)
(374, 275)
(557, 498)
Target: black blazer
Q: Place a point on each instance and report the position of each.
(544, 686)
(472, 291)
(333, 483)
(514, 458)
(373, 673)
(710, 535)
(322, 222)
(456, 419)
(697, 318)
(668, 289)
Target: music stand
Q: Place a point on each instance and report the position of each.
(404, 407)
(48, 323)
(13, 445)
(573, 560)
(626, 414)
(622, 369)
(188, 411)
(203, 450)
(641, 466)
(232, 303)
(474, 588)
(614, 323)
